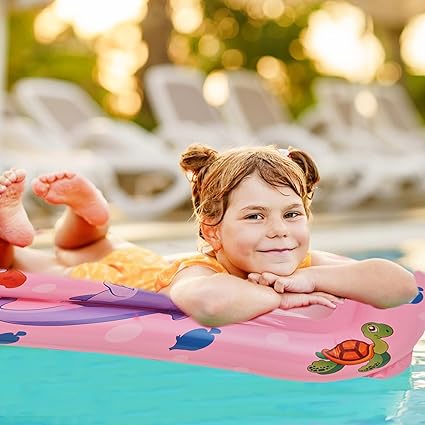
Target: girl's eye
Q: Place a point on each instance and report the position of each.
(254, 217)
(292, 214)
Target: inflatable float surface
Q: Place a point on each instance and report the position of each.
(309, 344)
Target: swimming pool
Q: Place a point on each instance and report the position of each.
(44, 387)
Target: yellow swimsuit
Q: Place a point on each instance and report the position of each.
(138, 267)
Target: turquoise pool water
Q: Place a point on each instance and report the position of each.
(44, 387)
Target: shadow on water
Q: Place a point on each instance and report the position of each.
(46, 387)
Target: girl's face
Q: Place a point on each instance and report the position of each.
(265, 229)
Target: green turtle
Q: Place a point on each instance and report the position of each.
(353, 352)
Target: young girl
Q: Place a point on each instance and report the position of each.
(253, 208)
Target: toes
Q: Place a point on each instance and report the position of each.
(4, 181)
(12, 176)
(51, 178)
(2, 188)
(20, 174)
(40, 187)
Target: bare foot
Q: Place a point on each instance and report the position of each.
(15, 226)
(66, 188)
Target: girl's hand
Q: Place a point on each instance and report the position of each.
(292, 300)
(300, 281)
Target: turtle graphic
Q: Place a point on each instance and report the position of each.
(354, 352)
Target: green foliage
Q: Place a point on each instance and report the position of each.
(258, 38)
(72, 59)
(415, 85)
(68, 58)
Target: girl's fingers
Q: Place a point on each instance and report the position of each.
(269, 276)
(254, 277)
(330, 297)
(317, 299)
(258, 279)
(292, 300)
(279, 287)
(264, 281)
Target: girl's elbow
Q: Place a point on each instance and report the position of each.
(200, 305)
(406, 292)
(209, 312)
(408, 288)
(411, 289)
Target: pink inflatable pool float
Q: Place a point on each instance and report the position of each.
(309, 344)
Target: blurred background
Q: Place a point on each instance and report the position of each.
(115, 90)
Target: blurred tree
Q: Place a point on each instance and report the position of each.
(156, 29)
(247, 35)
(68, 58)
(232, 34)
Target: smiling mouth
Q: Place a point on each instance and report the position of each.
(277, 250)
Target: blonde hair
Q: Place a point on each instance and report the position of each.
(215, 175)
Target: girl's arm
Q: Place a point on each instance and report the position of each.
(322, 258)
(378, 282)
(381, 283)
(216, 299)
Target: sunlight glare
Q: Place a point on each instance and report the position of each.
(122, 61)
(412, 45)
(366, 104)
(269, 67)
(273, 9)
(338, 40)
(127, 35)
(209, 45)
(216, 88)
(114, 30)
(228, 28)
(125, 103)
(232, 59)
(93, 17)
(122, 84)
(47, 26)
(186, 15)
(179, 48)
(254, 9)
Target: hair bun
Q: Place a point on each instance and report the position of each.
(197, 157)
(306, 163)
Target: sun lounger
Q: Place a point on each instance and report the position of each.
(356, 120)
(176, 96)
(76, 123)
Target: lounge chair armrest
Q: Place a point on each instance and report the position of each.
(107, 133)
(181, 135)
(23, 134)
(285, 135)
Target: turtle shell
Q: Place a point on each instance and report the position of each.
(350, 352)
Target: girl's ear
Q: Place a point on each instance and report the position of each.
(211, 235)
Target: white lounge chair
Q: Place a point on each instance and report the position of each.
(23, 145)
(75, 122)
(176, 96)
(345, 179)
(398, 118)
(389, 127)
(394, 165)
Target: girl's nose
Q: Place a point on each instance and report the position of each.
(277, 228)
